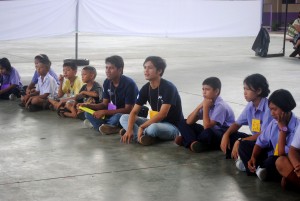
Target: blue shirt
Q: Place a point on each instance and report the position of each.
(220, 112)
(165, 93)
(51, 72)
(269, 137)
(124, 94)
(12, 78)
(262, 113)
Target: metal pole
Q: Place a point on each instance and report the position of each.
(76, 30)
(285, 23)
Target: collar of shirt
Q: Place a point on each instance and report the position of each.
(261, 105)
(218, 99)
(45, 78)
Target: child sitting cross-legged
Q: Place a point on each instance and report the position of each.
(216, 114)
(10, 81)
(90, 92)
(37, 99)
(69, 86)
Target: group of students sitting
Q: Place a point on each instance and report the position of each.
(271, 151)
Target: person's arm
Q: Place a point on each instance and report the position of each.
(30, 87)
(207, 121)
(225, 142)
(252, 162)
(158, 117)
(282, 123)
(60, 87)
(12, 86)
(194, 116)
(44, 96)
(125, 110)
(127, 137)
(235, 148)
(97, 106)
(93, 94)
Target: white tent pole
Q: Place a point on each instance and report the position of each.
(76, 30)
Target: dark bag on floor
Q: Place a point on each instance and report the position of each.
(261, 43)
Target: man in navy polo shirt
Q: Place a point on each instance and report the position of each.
(119, 97)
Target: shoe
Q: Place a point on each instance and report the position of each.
(198, 147)
(107, 129)
(261, 173)
(240, 165)
(147, 140)
(178, 140)
(122, 131)
(88, 124)
(12, 97)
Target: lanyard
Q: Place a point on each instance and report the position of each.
(110, 93)
(151, 98)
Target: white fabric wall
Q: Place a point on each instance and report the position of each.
(174, 18)
(163, 18)
(36, 18)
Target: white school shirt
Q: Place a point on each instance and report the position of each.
(48, 85)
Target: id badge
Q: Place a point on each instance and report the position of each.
(152, 113)
(111, 106)
(276, 150)
(255, 125)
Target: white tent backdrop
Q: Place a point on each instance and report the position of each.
(174, 18)
(36, 18)
(163, 18)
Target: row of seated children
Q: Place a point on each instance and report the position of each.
(67, 93)
(263, 153)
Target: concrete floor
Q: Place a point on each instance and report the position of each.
(44, 157)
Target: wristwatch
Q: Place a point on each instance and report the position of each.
(283, 129)
(240, 139)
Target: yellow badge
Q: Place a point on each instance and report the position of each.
(256, 125)
(276, 150)
(152, 113)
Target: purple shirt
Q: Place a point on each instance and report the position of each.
(296, 139)
(220, 112)
(262, 113)
(269, 137)
(12, 78)
(36, 76)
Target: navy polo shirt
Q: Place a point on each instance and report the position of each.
(125, 93)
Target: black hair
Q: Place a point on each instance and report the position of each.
(158, 62)
(283, 99)
(256, 82)
(72, 65)
(115, 60)
(42, 58)
(213, 82)
(4, 62)
(90, 69)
